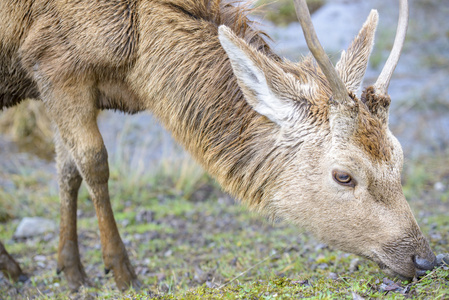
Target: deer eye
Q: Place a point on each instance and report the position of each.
(343, 178)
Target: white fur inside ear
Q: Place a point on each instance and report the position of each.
(252, 80)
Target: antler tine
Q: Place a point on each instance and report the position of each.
(381, 85)
(338, 87)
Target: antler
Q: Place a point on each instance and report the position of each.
(381, 85)
(338, 87)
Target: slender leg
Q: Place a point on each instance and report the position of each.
(69, 183)
(10, 267)
(74, 113)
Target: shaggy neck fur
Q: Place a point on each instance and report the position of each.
(197, 97)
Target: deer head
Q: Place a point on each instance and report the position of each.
(342, 177)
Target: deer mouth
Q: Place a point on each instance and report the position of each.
(404, 270)
(414, 268)
(392, 273)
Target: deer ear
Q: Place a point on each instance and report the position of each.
(353, 62)
(247, 66)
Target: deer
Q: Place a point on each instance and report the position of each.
(289, 140)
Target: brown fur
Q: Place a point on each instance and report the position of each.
(377, 104)
(370, 134)
(10, 266)
(165, 56)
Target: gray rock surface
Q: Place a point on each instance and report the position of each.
(34, 226)
(443, 259)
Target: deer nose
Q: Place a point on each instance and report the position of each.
(423, 265)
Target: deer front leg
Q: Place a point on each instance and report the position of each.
(10, 267)
(94, 166)
(69, 180)
(75, 117)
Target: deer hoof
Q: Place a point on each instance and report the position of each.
(75, 276)
(125, 276)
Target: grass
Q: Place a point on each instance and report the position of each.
(28, 125)
(282, 12)
(208, 247)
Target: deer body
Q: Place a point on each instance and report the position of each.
(263, 127)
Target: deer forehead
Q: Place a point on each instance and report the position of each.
(353, 157)
(372, 135)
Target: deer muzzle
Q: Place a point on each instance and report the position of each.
(407, 261)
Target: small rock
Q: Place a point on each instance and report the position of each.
(389, 286)
(388, 281)
(7, 185)
(323, 266)
(145, 216)
(159, 276)
(321, 247)
(333, 276)
(302, 282)
(125, 222)
(164, 287)
(30, 227)
(142, 270)
(435, 236)
(357, 297)
(234, 261)
(48, 237)
(354, 266)
(443, 259)
(200, 276)
(40, 258)
(439, 186)
(406, 290)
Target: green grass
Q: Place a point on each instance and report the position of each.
(282, 12)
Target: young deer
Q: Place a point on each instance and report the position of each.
(290, 140)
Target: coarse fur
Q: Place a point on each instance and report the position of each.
(267, 129)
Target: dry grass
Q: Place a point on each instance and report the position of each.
(28, 125)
